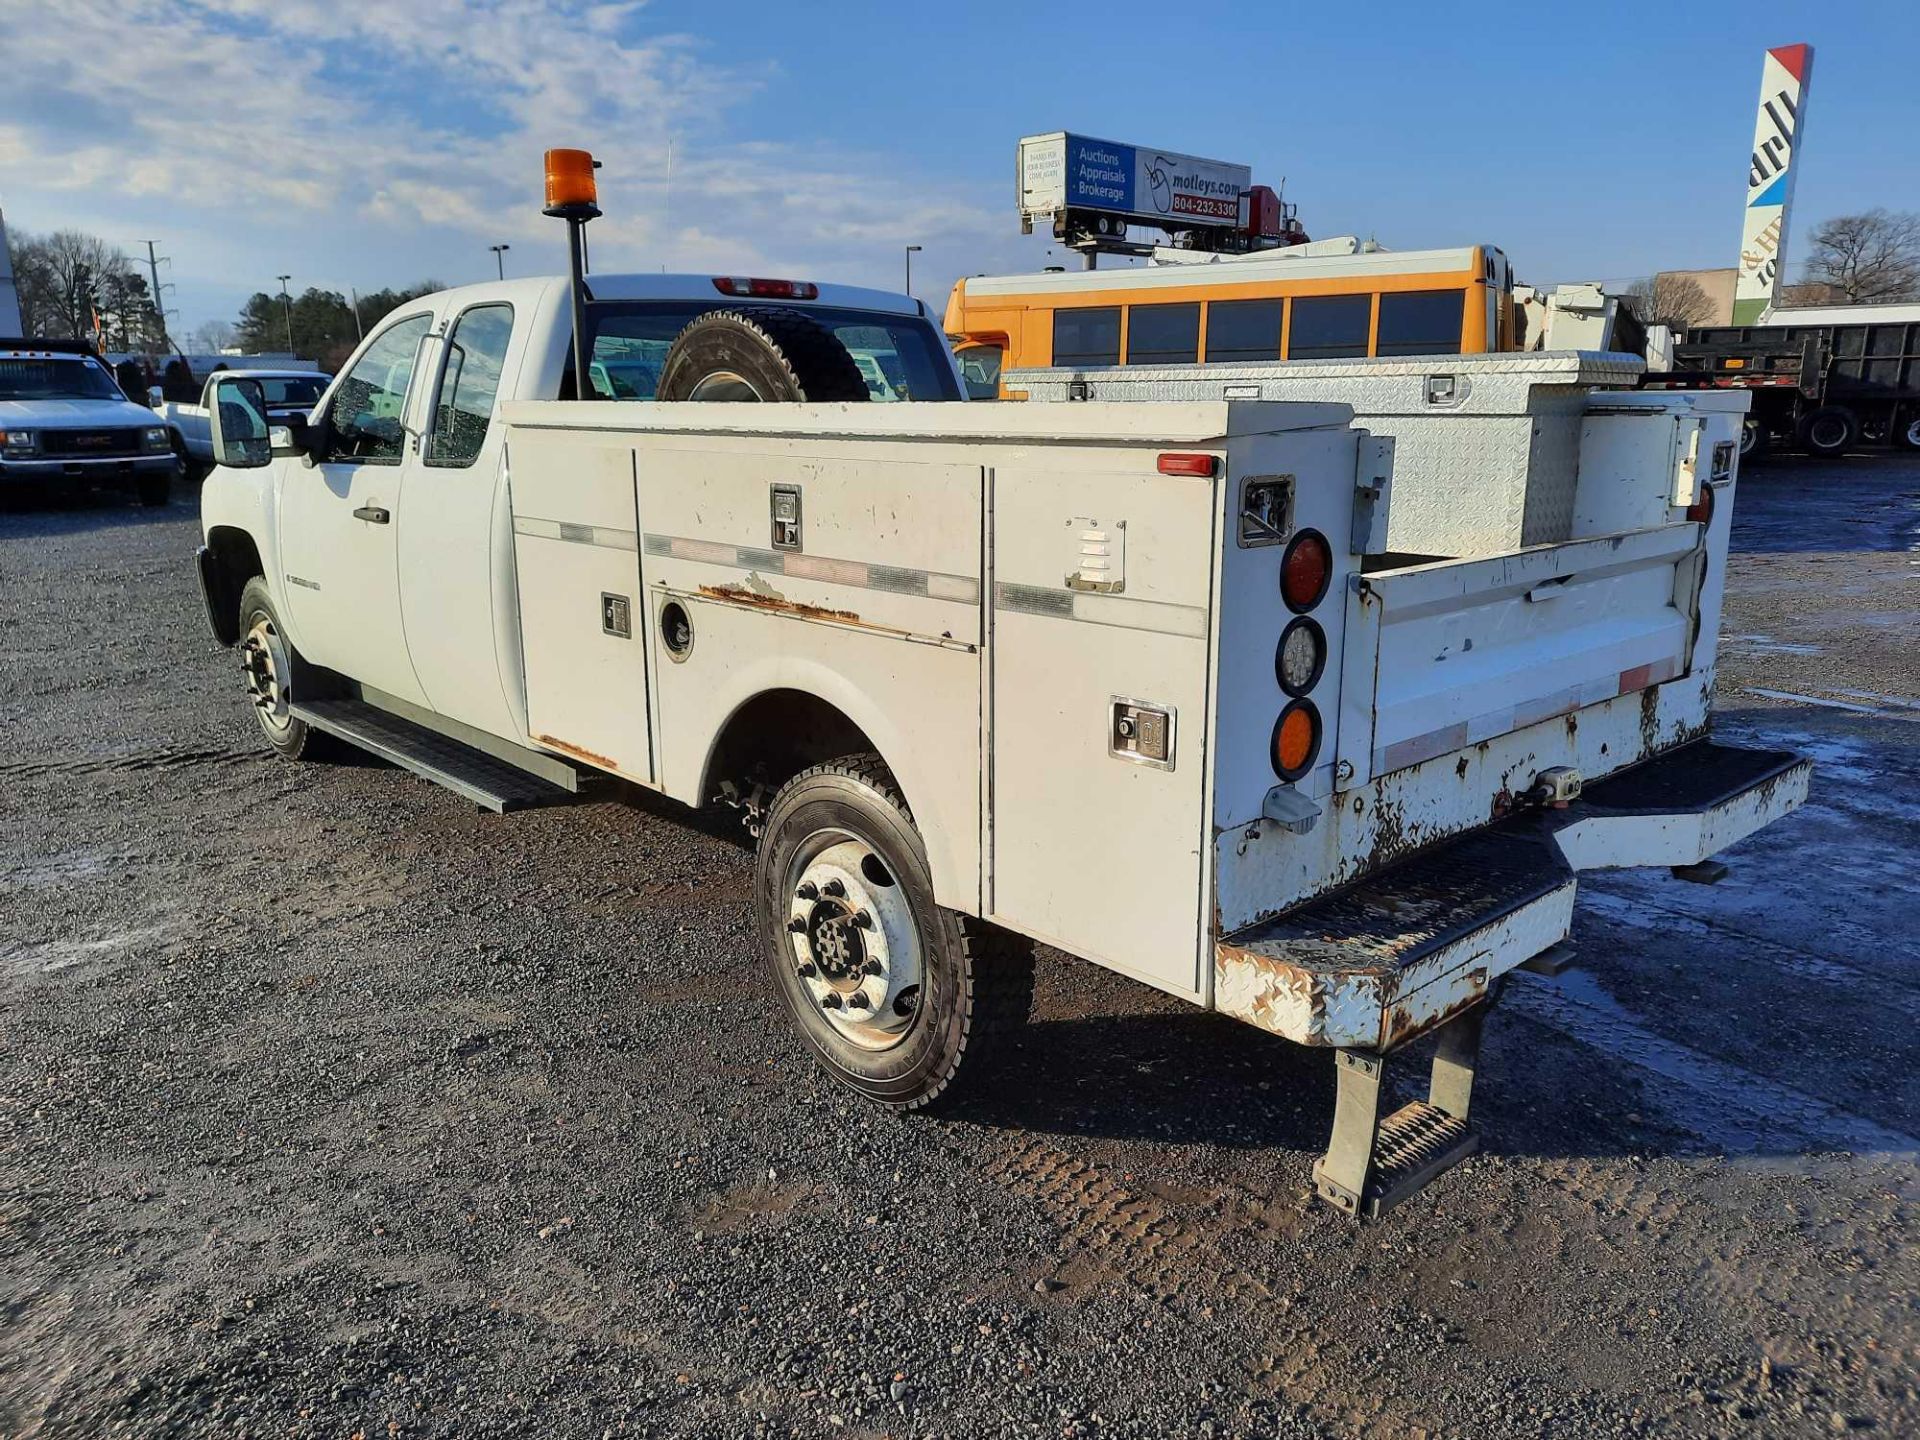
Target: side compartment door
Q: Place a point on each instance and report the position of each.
(1103, 574)
(338, 541)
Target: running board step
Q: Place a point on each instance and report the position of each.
(490, 783)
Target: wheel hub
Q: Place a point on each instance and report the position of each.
(853, 942)
(263, 660)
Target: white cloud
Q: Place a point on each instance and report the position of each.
(373, 143)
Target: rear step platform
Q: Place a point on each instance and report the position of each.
(491, 783)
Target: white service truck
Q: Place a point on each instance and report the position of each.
(1142, 681)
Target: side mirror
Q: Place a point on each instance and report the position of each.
(237, 415)
(156, 397)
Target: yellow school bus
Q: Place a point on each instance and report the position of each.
(1271, 306)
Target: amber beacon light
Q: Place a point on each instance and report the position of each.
(570, 182)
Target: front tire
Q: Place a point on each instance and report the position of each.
(890, 991)
(1906, 431)
(154, 490)
(1755, 439)
(266, 660)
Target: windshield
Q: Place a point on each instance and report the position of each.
(56, 380)
(294, 389)
(899, 356)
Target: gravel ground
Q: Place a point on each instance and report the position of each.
(330, 1106)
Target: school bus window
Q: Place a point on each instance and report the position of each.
(1329, 327)
(1163, 334)
(1243, 330)
(1087, 337)
(1419, 322)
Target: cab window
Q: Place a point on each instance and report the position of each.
(1087, 337)
(1420, 322)
(1163, 334)
(469, 381)
(1329, 327)
(369, 403)
(980, 369)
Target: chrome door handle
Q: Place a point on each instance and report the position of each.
(373, 513)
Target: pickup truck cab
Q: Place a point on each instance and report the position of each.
(66, 424)
(1145, 681)
(290, 395)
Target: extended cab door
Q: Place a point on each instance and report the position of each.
(455, 531)
(337, 532)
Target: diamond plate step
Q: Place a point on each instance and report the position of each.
(491, 784)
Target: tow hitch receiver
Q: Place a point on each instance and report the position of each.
(1371, 1165)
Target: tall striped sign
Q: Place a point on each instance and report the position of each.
(1776, 139)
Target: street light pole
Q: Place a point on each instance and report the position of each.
(499, 258)
(286, 306)
(911, 249)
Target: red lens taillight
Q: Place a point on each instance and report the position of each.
(1202, 465)
(758, 289)
(1701, 510)
(1305, 571)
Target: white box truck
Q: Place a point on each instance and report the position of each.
(1138, 680)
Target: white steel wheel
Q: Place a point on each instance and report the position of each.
(854, 943)
(890, 990)
(266, 665)
(1908, 432)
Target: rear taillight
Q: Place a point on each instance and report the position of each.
(1301, 655)
(1305, 571)
(759, 289)
(1179, 464)
(1701, 510)
(1296, 740)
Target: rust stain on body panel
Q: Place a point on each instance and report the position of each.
(761, 600)
(579, 752)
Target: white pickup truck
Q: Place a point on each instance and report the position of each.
(1141, 681)
(289, 394)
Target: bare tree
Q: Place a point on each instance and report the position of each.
(67, 278)
(1670, 299)
(1868, 257)
(211, 337)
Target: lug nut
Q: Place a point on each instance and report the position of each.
(830, 1002)
(808, 890)
(864, 919)
(807, 970)
(873, 967)
(858, 1000)
(835, 889)
(797, 925)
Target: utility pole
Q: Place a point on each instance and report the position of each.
(666, 224)
(159, 304)
(910, 253)
(359, 330)
(499, 258)
(286, 305)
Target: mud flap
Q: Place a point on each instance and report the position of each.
(1371, 1164)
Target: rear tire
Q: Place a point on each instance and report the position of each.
(768, 355)
(1829, 431)
(1755, 440)
(266, 660)
(891, 1005)
(1906, 431)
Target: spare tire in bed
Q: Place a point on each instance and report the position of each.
(762, 355)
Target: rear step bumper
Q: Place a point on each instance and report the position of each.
(1422, 946)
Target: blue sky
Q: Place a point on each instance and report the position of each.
(358, 144)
